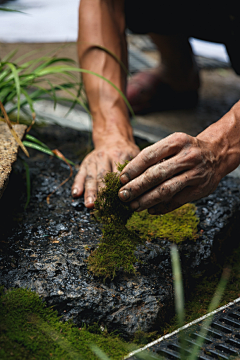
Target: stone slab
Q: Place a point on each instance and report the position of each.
(45, 248)
(8, 151)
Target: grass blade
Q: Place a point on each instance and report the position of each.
(213, 305)
(33, 139)
(17, 83)
(9, 56)
(53, 94)
(179, 295)
(62, 69)
(38, 147)
(29, 100)
(99, 353)
(114, 56)
(11, 10)
(146, 355)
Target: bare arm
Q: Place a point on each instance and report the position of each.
(192, 169)
(102, 23)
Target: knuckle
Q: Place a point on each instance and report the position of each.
(101, 174)
(165, 191)
(89, 178)
(149, 176)
(193, 155)
(100, 154)
(147, 154)
(181, 138)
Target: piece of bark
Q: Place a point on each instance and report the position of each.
(8, 152)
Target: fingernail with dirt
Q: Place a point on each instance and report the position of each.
(124, 178)
(124, 195)
(89, 201)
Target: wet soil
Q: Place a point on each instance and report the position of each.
(45, 247)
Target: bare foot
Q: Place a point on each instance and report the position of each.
(173, 84)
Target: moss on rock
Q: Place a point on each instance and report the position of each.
(176, 226)
(118, 243)
(30, 330)
(123, 230)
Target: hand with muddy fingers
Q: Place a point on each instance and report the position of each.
(170, 173)
(102, 159)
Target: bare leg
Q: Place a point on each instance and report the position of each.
(173, 84)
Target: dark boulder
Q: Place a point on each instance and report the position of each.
(45, 248)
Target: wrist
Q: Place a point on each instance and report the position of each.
(223, 139)
(115, 126)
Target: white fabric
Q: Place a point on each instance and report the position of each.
(42, 21)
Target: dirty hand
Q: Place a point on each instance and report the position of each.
(102, 159)
(170, 173)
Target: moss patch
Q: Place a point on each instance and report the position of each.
(30, 330)
(177, 226)
(117, 246)
(123, 230)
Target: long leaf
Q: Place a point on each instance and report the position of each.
(179, 295)
(16, 78)
(43, 148)
(11, 10)
(9, 56)
(38, 147)
(213, 305)
(114, 56)
(29, 100)
(33, 139)
(99, 353)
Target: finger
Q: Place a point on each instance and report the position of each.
(91, 185)
(78, 184)
(149, 156)
(121, 160)
(102, 170)
(160, 194)
(196, 187)
(185, 196)
(154, 176)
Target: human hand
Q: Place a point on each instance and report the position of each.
(170, 173)
(102, 159)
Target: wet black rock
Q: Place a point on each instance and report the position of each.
(45, 248)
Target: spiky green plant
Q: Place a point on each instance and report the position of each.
(28, 82)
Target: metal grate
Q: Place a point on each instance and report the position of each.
(222, 340)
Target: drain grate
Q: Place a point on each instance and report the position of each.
(222, 340)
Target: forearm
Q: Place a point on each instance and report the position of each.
(102, 23)
(224, 137)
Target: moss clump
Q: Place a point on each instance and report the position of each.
(177, 226)
(30, 330)
(123, 230)
(117, 246)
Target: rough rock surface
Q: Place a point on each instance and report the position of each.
(8, 151)
(45, 248)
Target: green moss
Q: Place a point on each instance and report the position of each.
(177, 226)
(118, 243)
(30, 330)
(123, 230)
